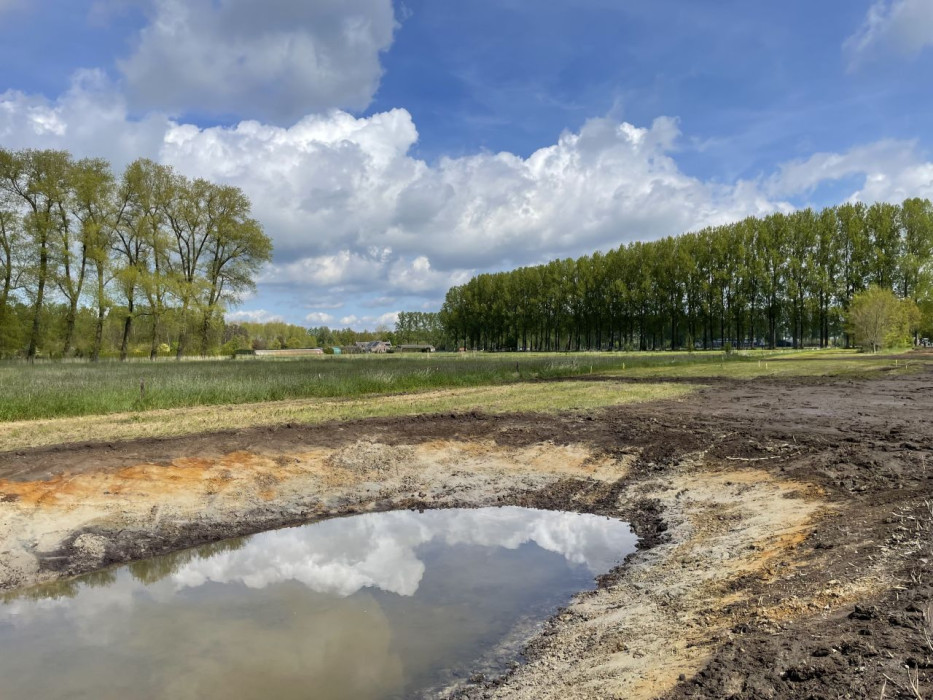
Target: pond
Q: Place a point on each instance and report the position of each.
(374, 606)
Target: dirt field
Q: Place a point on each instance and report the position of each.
(786, 524)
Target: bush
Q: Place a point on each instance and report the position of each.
(878, 319)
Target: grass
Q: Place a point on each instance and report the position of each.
(59, 403)
(788, 364)
(545, 398)
(69, 389)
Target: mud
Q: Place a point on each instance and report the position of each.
(785, 523)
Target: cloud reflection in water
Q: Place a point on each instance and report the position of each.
(344, 555)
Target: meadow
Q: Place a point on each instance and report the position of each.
(53, 390)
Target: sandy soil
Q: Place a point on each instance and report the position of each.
(786, 525)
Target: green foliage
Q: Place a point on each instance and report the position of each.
(414, 327)
(48, 390)
(878, 319)
(785, 279)
(82, 250)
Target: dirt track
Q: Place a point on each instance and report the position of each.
(786, 525)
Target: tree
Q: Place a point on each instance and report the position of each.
(100, 212)
(886, 242)
(139, 202)
(11, 237)
(76, 244)
(86, 241)
(916, 218)
(877, 318)
(39, 180)
(782, 275)
(235, 250)
(187, 213)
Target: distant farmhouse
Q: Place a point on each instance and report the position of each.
(291, 352)
(377, 346)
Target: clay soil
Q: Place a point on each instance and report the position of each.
(786, 525)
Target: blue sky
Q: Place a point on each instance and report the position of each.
(394, 149)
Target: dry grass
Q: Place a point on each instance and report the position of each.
(797, 364)
(537, 397)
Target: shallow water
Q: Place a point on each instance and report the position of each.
(382, 605)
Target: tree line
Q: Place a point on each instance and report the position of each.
(91, 262)
(787, 278)
(414, 327)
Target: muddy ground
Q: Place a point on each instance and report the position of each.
(786, 525)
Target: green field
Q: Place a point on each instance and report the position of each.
(79, 389)
(52, 390)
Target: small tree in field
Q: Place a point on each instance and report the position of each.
(878, 319)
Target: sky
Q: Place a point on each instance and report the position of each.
(394, 149)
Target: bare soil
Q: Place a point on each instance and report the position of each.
(786, 525)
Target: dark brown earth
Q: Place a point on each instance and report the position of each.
(865, 442)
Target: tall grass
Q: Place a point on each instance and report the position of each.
(55, 390)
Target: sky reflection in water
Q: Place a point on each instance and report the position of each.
(370, 606)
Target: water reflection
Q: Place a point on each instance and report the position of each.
(380, 549)
(409, 593)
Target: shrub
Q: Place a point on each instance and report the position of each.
(878, 319)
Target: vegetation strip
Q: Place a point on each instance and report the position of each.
(54, 390)
(519, 397)
(490, 392)
(63, 389)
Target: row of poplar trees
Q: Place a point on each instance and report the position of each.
(776, 280)
(150, 246)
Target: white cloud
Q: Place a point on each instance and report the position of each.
(254, 316)
(342, 268)
(889, 171)
(893, 26)
(345, 197)
(387, 320)
(319, 318)
(352, 213)
(379, 550)
(418, 277)
(276, 59)
(90, 119)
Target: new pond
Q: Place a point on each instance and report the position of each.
(382, 605)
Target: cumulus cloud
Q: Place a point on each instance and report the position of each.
(418, 277)
(342, 268)
(388, 320)
(892, 26)
(91, 118)
(353, 214)
(345, 193)
(276, 60)
(319, 318)
(380, 550)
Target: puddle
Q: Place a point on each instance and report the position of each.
(382, 605)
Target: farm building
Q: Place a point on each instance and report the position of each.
(291, 352)
(377, 346)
